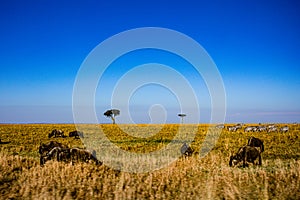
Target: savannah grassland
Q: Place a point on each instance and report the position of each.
(21, 176)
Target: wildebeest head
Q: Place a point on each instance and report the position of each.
(234, 160)
(245, 154)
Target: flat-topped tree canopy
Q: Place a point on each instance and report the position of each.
(182, 115)
(112, 113)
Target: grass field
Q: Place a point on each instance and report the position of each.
(21, 176)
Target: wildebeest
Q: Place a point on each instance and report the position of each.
(76, 134)
(56, 133)
(186, 150)
(83, 155)
(45, 148)
(284, 129)
(255, 142)
(57, 153)
(245, 154)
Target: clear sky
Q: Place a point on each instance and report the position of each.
(255, 45)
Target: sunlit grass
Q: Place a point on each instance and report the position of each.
(187, 178)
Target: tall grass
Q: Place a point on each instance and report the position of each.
(21, 177)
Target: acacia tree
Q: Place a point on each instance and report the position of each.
(112, 113)
(181, 115)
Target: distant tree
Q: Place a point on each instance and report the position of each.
(181, 115)
(112, 113)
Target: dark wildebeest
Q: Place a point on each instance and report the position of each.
(255, 142)
(186, 150)
(76, 134)
(46, 148)
(83, 155)
(245, 154)
(56, 133)
(57, 153)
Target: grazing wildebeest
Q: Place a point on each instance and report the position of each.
(45, 148)
(255, 142)
(56, 133)
(245, 154)
(76, 134)
(57, 153)
(186, 150)
(83, 155)
(284, 129)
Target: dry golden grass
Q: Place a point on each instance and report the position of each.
(21, 177)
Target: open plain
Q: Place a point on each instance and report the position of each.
(210, 177)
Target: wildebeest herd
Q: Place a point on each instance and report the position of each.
(62, 153)
(59, 133)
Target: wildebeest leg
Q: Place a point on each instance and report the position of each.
(244, 161)
(42, 162)
(259, 160)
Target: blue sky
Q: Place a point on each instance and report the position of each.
(255, 45)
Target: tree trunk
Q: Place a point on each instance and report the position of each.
(113, 120)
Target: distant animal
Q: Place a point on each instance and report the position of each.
(186, 150)
(245, 154)
(220, 126)
(271, 126)
(76, 134)
(56, 133)
(284, 129)
(238, 126)
(249, 128)
(255, 142)
(232, 128)
(272, 129)
(261, 128)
